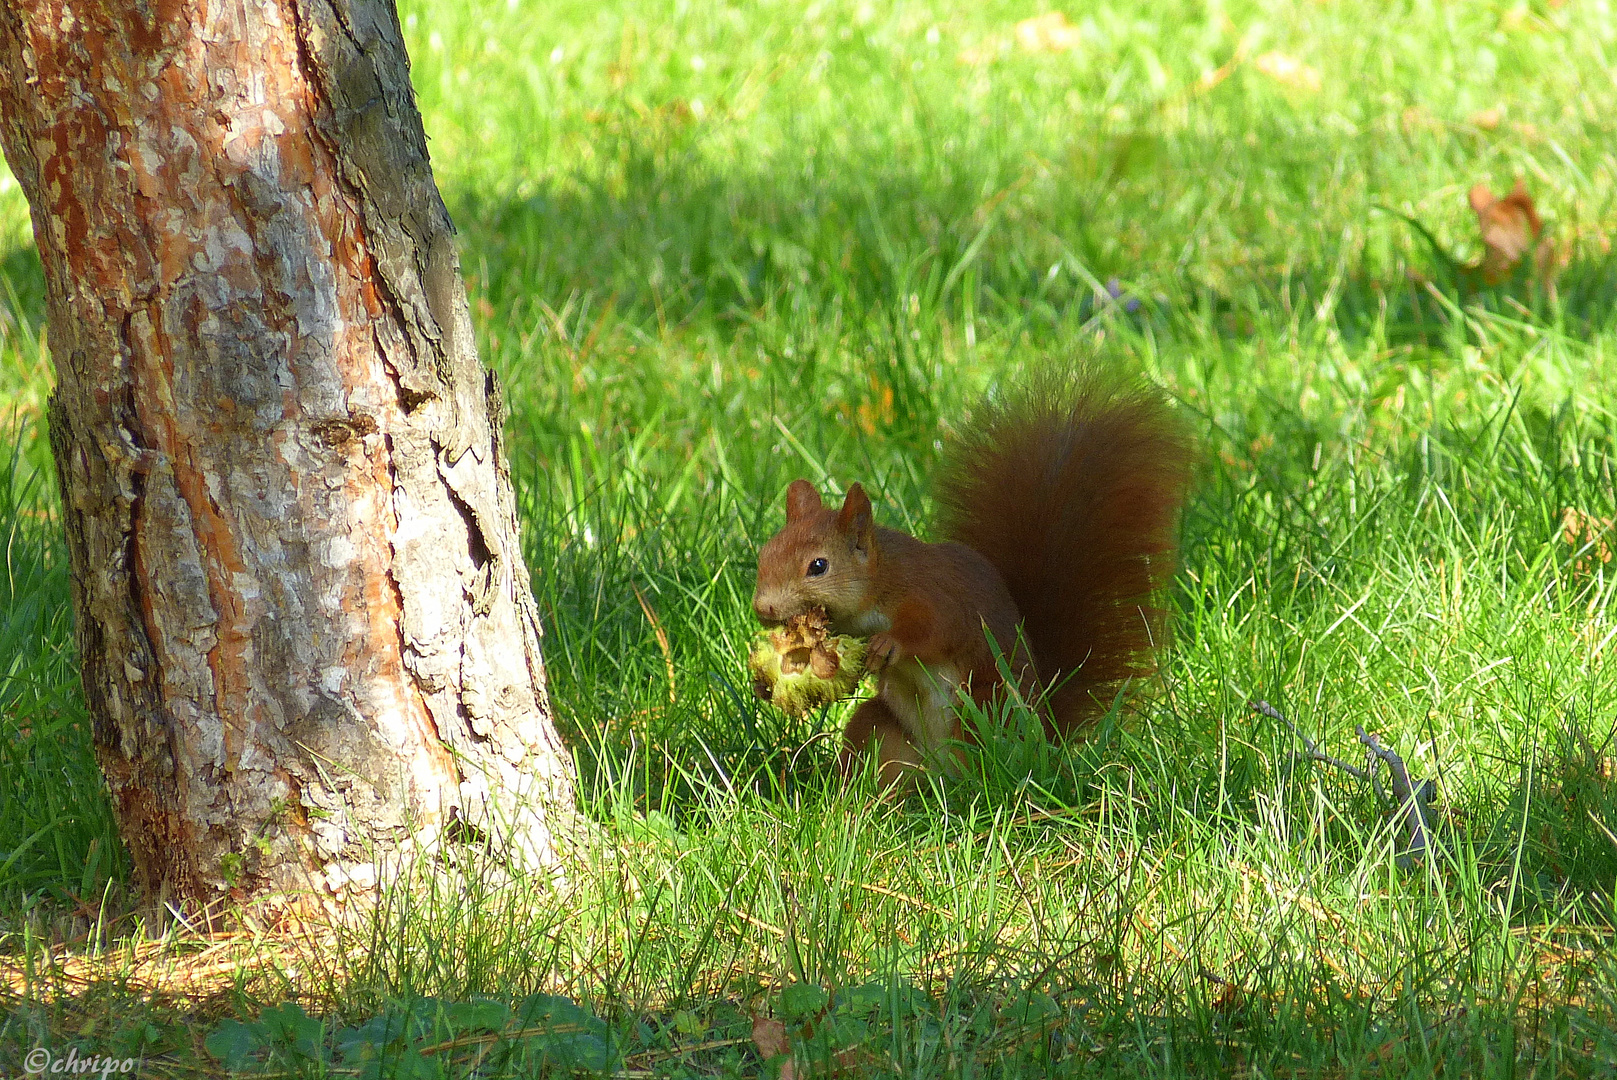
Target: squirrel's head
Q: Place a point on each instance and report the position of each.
(821, 558)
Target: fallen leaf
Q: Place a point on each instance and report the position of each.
(1510, 226)
(769, 1036)
(1230, 997)
(1588, 536)
(1287, 71)
(1050, 32)
(1384, 1052)
(855, 1059)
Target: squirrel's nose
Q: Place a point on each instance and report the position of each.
(766, 613)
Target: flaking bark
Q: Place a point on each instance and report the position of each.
(303, 613)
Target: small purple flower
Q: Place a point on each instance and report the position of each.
(1114, 289)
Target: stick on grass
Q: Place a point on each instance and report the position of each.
(1410, 800)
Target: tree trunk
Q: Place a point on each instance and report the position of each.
(308, 641)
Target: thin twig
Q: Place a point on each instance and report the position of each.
(1411, 800)
(1215, 978)
(1311, 749)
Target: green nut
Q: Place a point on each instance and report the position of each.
(802, 667)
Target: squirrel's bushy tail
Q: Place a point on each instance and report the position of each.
(1071, 487)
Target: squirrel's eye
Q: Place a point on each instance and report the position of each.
(818, 567)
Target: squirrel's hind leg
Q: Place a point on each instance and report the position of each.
(874, 726)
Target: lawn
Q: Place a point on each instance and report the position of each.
(712, 248)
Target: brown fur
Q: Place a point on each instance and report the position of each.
(1072, 489)
(1061, 505)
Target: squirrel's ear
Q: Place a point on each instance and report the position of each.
(801, 499)
(856, 518)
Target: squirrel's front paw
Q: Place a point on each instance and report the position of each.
(882, 650)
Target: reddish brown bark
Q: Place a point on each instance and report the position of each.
(303, 612)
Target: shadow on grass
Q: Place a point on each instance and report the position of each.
(58, 841)
(1075, 1018)
(22, 277)
(669, 242)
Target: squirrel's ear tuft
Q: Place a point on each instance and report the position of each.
(801, 499)
(856, 518)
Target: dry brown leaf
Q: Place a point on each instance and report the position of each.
(1510, 227)
(1287, 71)
(662, 637)
(1589, 536)
(1230, 997)
(855, 1059)
(769, 1036)
(1050, 32)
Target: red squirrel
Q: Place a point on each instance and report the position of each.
(1058, 506)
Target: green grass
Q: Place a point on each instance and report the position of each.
(712, 248)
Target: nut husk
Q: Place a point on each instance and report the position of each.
(800, 665)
